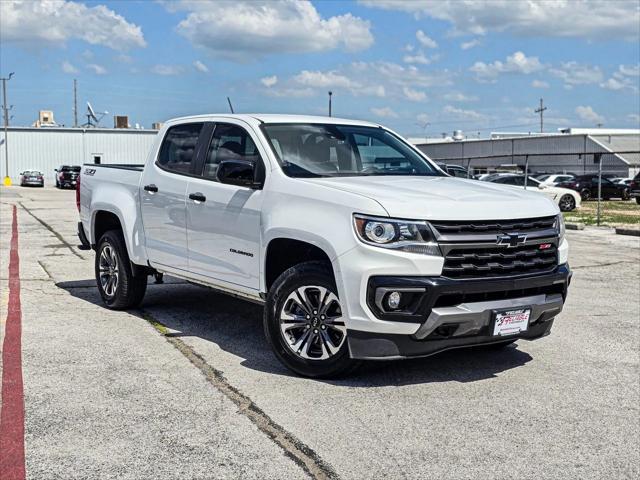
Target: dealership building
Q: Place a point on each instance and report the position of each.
(45, 149)
(572, 150)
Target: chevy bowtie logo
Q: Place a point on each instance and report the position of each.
(511, 239)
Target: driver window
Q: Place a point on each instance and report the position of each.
(229, 142)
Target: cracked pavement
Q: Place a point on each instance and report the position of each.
(114, 395)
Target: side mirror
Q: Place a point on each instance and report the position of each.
(238, 172)
(55, 169)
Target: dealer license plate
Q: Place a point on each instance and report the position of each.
(511, 322)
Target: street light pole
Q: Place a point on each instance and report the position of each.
(7, 178)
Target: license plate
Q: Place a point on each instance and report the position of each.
(511, 322)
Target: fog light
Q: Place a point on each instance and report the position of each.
(393, 300)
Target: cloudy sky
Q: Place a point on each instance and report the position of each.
(418, 66)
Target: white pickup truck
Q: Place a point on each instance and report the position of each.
(359, 246)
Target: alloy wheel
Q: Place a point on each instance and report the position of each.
(311, 323)
(567, 203)
(109, 270)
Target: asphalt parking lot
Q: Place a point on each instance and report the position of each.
(186, 386)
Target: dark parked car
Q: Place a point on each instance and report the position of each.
(455, 170)
(32, 178)
(67, 176)
(634, 188)
(587, 186)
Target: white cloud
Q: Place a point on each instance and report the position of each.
(166, 69)
(384, 112)
(613, 84)
(515, 63)
(201, 67)
(414, 95)
(540, 84)
(629, 71)
(461, 114)
(68, 67)
(243, 30)
(46, 23)
(590, 19)
(459, 97)
(269, 81)
(574, 73)
(97, 69)
(586, 114)
(423, 118)
(470, 44)
(419, 58)
(122, 58)
(324, 79)
(425, 41)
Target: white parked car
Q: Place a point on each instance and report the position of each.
(553, 180)
(357, 244)
(566, 198)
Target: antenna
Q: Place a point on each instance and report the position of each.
(91, 115)
(230, 106)
(330, 95)
(541, 112)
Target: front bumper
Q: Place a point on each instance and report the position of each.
(459, 313)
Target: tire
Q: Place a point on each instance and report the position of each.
(57, 184)
(638, 200)
(124, 290)
(567, 203)
(322, 352)
(585, 194)
(625, 195)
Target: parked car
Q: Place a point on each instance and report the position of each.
(490, 177)
(67, 175)
(356, 243)
(587, 186)
(32, 178)
(622, 180)
(455, 170)
(555, 179)
(634, 188)
(566, 199)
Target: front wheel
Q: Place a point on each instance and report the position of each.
(304, 324)
(118, 286)
(585, 194)
(567, 203)
(625, 194)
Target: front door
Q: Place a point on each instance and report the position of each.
(163, 196)
(223, 221)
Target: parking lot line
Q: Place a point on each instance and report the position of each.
(12, 462)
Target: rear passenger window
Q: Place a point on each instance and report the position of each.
(229, 142)
(178, 147)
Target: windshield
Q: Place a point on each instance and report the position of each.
(70, 169)
(319, 150)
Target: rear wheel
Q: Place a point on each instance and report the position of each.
(567, 203)
(117, 284)
(625, 194)
(585, 194)
(638, 200)
(304, 324)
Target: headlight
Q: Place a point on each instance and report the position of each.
(406, 235)
(560, 227)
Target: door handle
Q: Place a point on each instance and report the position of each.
(150, 188)
(197, 197)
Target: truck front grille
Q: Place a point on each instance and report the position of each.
(471, 248)
(494, 226)
(466, 262)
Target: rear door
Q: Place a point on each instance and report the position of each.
(223, 221)
(163, 195)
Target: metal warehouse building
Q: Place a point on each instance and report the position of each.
(45, 149)
(542, 151)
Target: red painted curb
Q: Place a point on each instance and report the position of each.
(12, 465)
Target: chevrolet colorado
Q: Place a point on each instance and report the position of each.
(358, 245)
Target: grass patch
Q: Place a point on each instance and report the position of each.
(612, 214)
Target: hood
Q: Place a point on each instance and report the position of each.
(444, 198)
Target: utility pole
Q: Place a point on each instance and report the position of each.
(7, 178)
(75, 102)
(541, 112)
(330, 94)
(599, 125)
